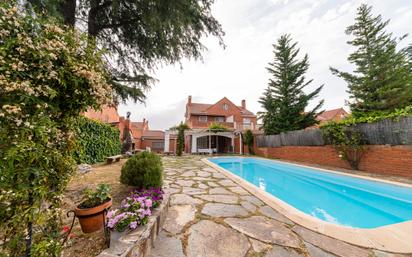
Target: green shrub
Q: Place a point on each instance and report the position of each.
(95, 141)
(143, 170)
(248, 140)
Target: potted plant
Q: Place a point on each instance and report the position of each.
(91, 212)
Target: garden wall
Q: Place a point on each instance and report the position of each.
(388, 145)
(380, 159)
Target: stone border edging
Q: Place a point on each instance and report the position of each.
(392, 238)
(138, 243)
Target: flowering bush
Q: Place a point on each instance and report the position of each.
(134, 210)
(48, 76)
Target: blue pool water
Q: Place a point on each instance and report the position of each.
(331, 197)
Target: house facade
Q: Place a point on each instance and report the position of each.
(200, 138)
(153, 140)
(142, 137)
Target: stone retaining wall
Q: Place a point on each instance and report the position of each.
(139, 242)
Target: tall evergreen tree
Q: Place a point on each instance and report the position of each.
(284, 101)
(382, 79)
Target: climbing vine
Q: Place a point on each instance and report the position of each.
(48, 76)
(216, 127)
(95, 141)
(181, 128)
(346, 140)
(248, 140)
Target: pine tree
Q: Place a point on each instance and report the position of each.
(284, 101)
(382, 79)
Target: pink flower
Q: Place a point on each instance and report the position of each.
(111, 213)
(133, 225)
(148, 203)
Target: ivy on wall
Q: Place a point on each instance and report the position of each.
(95, 141)
(349, 142)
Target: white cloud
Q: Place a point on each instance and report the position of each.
(252, 26)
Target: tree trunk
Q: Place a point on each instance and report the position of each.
(92, 28)
(68, 12)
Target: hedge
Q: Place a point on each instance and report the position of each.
(95, 141)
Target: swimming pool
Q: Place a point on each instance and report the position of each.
(331, 197)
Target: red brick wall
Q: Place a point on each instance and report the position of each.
(149, 143)
(382, 159)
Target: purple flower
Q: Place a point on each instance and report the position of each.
(111, 213)
(111, 223)
(133, 225)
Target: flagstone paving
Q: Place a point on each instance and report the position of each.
(212, 216)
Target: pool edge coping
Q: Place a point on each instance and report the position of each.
(391, 238)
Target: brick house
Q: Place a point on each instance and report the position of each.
(140, 130)
(200, 139)
(332, 115)
(153, 139)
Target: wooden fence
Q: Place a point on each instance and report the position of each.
(385, 132)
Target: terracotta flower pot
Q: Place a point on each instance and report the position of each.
(92, 219)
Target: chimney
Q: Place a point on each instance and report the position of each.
(189, 99)
(244, 104)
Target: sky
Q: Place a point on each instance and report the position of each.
(251, 28)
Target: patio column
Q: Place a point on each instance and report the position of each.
(233, 144)
(217, 143)
(210, 144)
(194, 144)
(240, 144)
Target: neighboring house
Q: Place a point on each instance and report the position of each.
(138, 130)
(153, 139)
(108, 114)
(332, 115)
(199, 116)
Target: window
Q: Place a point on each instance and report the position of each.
(225, 107)
(219, 119)
(202, 118)
(246, 121)
(203, 142)
(158, 145)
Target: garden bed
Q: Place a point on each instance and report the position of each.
(139, 242)
(89, 245)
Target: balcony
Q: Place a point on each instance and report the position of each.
(244, 126)
(199, 124)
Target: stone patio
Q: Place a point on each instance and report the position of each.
(211, 216)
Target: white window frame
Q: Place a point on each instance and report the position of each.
(247, 121)
(220, 119)
(203, 118)
(225, 107)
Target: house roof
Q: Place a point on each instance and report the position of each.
(330, 114)
(137, 125)
(203, 109)
(153, 134)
